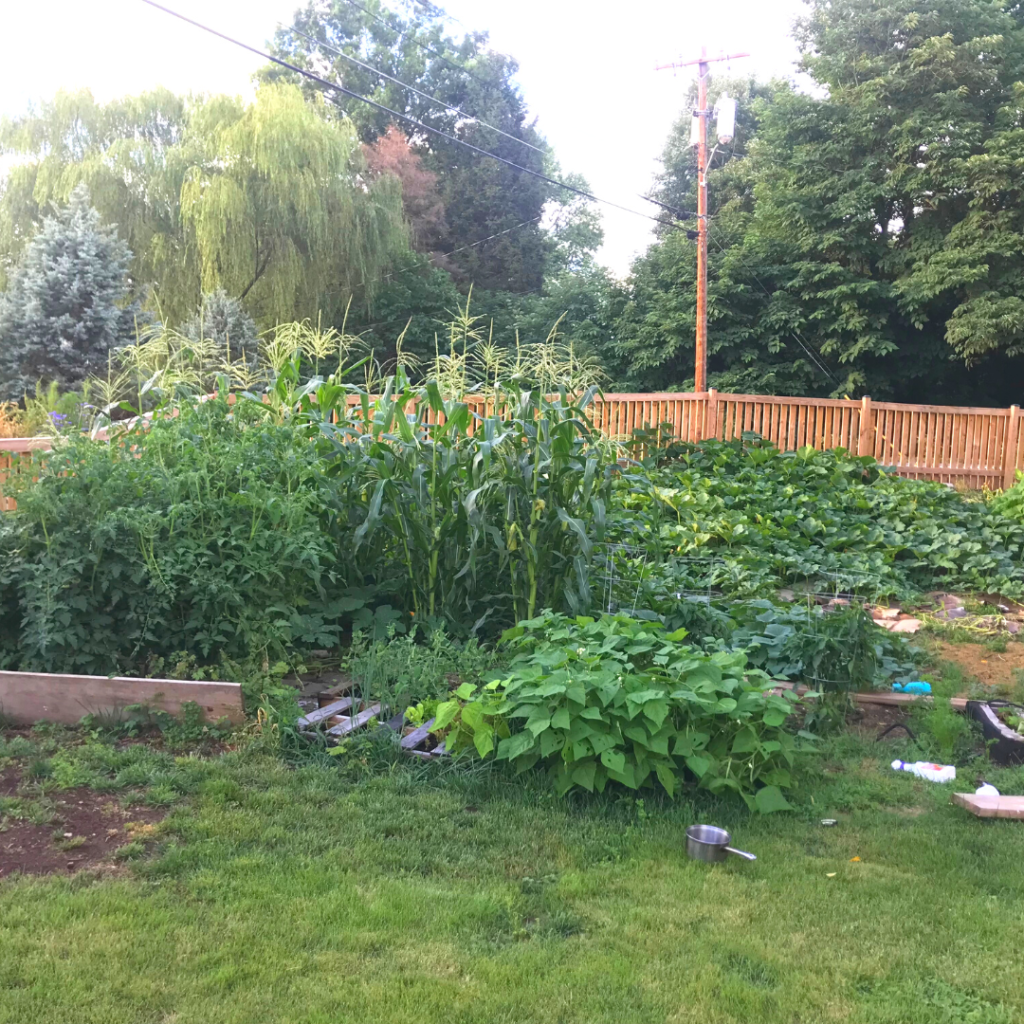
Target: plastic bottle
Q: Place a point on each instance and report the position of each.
(927, 770)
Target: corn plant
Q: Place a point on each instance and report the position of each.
(471, 518)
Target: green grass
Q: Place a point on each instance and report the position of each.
(315, 895)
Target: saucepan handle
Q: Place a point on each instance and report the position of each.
(741, 853)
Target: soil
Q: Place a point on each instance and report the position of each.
(871, 720)
(86, 830)
(980, 663)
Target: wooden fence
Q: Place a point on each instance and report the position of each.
(953, 444)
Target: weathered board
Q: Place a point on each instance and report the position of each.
(324, 713)
(347, 725)
(888, 699)
(991, 806)
(27, 697)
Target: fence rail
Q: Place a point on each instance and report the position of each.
(977, 447)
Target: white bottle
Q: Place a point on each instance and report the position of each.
(927, 770)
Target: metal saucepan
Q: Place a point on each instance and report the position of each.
(705, 842)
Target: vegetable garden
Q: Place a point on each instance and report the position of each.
(645, 597)
(611, 639)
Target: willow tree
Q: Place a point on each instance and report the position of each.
(268, 201)
(275, 208)
(127, 152)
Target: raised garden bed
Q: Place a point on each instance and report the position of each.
(27, 697)
(1005, 744)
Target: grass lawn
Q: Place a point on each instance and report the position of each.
(280, 894)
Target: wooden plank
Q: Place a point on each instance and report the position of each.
(962, 410)
(888, 699)
(991, 806)
(322, 714)
(901, 699)
(27, 697)
(417, 736)
(349, 724)
(21, 445)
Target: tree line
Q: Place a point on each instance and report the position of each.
(866, 227)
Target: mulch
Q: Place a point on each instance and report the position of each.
(86, 830)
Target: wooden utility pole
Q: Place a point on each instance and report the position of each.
(700, 375)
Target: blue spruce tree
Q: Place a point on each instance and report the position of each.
(66, 304)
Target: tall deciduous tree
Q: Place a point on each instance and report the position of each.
(391, 154)
(481, 197)
(66, 304)
(871, 238)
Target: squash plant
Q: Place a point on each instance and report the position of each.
(621, 700)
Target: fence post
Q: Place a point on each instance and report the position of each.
(1012, 442)
(865, 443)
(711, 415)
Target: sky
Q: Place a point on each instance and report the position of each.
(586, 68)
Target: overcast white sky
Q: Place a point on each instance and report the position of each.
(586, 69)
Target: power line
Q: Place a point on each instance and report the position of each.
(461, 248)
(411, 88)
(401, 117)
(818, 361)
(416, 42)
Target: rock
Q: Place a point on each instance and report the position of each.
(887, 613)
(1012, 627)
(906, 626)
(786, 594)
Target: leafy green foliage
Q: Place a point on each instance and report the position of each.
(1010, 502)
(400, 669)
(767, 519)
(834, 650)
(481, 197)
(242, 533)
(473, 521)
(189, 535)
(866, 233)
(620, 700)
(265, 200)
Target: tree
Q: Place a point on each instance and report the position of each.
(874, 231)
(481, 197)
(391, 154)
(269, 201)
(66, 306)
(222, 320)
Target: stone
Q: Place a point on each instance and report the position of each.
(906, 626)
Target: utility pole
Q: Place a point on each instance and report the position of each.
(700, 376)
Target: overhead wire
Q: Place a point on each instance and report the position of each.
(415, 41)
(402, 117)
(819, 360)
(461, 248)
(411, 88)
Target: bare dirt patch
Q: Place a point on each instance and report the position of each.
(870, 720)
(986, 666)
(84, 831)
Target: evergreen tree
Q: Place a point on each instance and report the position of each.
(223, 320)
(65, 307)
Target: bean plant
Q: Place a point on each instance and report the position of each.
(619, 701)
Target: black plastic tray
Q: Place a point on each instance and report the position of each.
(1004, 744)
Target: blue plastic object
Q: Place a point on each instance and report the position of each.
(919, 688)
